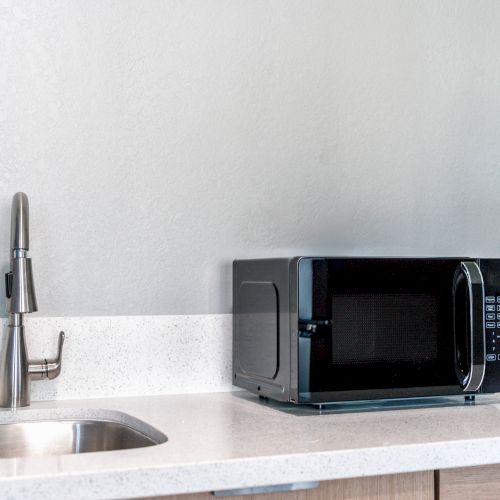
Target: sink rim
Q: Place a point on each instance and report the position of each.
(92, 420)
(83, 414)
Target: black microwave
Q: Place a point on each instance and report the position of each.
(319, 330)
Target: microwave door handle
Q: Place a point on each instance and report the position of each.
(477, 345)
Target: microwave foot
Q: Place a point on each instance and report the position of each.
(471, 398)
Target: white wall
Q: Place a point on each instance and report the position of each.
(159, 140)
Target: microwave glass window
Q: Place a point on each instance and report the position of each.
(378, 327)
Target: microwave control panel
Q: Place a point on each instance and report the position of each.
(491, 382)
(492, 327)
(490, 269)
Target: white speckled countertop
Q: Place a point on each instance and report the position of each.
(232, 440)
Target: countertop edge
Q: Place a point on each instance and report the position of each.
(256, 471)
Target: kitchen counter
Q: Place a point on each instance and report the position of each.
(231, 440)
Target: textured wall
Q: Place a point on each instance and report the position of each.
(159, 140)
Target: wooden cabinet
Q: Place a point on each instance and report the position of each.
(414, 486)
(477, 483)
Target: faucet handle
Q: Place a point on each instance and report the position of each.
(54, 365)
(47, 368)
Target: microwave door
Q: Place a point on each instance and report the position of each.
(375, 328)
(468, 325)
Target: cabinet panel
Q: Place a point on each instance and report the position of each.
(479, 483)
(414, 486)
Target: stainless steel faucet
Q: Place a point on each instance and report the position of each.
(16, 370)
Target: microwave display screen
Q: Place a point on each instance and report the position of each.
(384, 327)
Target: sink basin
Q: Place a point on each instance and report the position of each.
(62, 436)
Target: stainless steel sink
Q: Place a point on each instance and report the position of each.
(59, 437)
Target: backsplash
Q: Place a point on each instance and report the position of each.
(107, 356)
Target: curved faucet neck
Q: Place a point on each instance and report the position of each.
(19, 223)
(20, 289)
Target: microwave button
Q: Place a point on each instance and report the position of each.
(492, 307)
(490, 324)
(498, 308)
(498, 298)
(491, 357)
(491, 316)
(489, 299)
